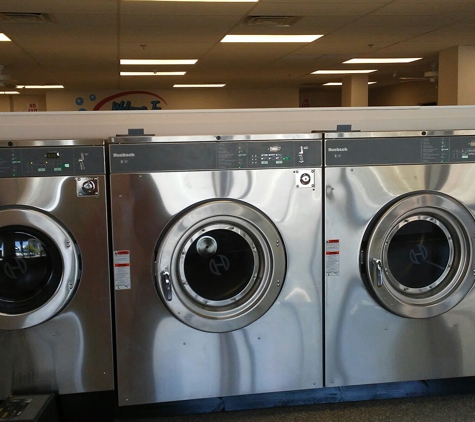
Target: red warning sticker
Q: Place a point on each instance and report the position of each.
(122, 270)
(332, 257)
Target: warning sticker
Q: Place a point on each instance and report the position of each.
(332, 257)
(122, 270)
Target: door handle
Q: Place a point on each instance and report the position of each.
(166, 285)
(378, 269)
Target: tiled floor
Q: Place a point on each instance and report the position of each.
(450, 408)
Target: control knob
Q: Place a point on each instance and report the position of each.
(305, 179)
(89, 187)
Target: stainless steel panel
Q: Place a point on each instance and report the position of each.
(71, 352)
(402, 133)
(364, 343)
(51, 142)
(211, 138)
(161, 359)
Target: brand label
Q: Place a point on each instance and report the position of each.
(338, 149)
(123, 155)
(219, 265)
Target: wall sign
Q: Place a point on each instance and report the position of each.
(32, 107)
(137, 101)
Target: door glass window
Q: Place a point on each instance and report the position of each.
(219, 265)
(418, 254)
(30, 269)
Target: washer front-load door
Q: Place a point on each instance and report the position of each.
(419, 255)
(39, 268)
(220, 266)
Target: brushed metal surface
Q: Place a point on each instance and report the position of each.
(159, 358)
(365, 343)
(213, 138)
(402, 133)
(50, 142)
(72, 351)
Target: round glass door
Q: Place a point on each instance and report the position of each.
(418, 258)
(419, 253)
(30, 269)
(220, 266)
(39, 268)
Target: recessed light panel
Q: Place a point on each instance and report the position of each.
(199, 85)
(8, 92)
(271, 38)
(341, 72)
(156, 62)
(152, 73)
(3, 37)
(341, 83)
(206, 1)
(39, 86)
(381, 60)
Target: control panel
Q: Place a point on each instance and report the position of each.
(129, 158)
(46, 161)
(407, 150)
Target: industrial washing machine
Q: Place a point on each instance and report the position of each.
(217, 265)
(55, 307)
(399, 256)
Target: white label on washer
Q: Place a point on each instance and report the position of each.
(122, 270)
(332, 257)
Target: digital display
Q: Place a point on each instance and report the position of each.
(52, 154)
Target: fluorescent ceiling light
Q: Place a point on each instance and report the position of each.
(341, 83)
(39, 86)
(388, 60)
(3, 37)
(199, 85)
(152, 73)
(340, 72)
(206, 1)
(270, 38)
(156, 62)
(8, 92)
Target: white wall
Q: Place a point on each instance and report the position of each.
(327, 97)
(5, 103)
(20, 103)
(176, 99)
(103, 124)
(405, 94)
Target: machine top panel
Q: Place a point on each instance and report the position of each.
(211, 138)
(51, 143)
(363, 151)
(51, 161)
(221, 155)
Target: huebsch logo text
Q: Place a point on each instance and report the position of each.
(123, 155)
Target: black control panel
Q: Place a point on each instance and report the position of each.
(410, 150)
(51, 161)
(131, 158)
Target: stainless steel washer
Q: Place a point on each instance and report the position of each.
(217, 265)
(55, 309)
(399, 256)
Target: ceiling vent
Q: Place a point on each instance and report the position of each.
(26, 17)
(271, 21)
